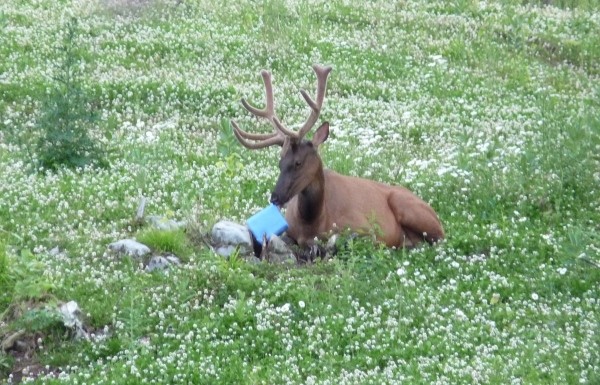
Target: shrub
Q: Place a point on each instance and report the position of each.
(67, 115)
(22, 278)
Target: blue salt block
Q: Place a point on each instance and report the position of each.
(267, 222)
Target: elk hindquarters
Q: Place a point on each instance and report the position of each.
(416, 218)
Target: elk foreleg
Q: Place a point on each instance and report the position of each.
(416, 218)
(311, 251)
(317, 248)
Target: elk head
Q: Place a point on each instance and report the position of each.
(300, 164)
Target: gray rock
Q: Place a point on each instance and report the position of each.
(70, 316)
(172, 258)
(225, 251)
(162, 262)
(251, 259)
(331, 246)
(11, 341)
(279, 252)
(129, 247)
(57, 253)
(162, 223)
(226, 233)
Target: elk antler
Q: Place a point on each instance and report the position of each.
(322, 74)
(260, 140)
(282, 135)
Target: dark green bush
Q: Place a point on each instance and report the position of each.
(67, 116)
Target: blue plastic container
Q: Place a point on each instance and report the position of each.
(267, 221)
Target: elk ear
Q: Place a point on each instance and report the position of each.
(321, 134)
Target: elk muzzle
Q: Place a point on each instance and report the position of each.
(276, 200)
(279, 196)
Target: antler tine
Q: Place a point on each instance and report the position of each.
(322, 73)
(251, 136)
(284, 130)
(269, 111)
(261, 140)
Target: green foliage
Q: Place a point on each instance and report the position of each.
(27, 273)
(232, 263)
(231, 165)
(40, 320)
(6, 280)
(166, 241)
(227, 144)
(567, 4)
(67, 115)
(6, 363)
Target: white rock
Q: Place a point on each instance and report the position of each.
(225, 251)
(251, 259)
(226, 233)
(162, 262)
(173, 259)
(279, 252)
(129, 247)
(70, 315)
(70, 312)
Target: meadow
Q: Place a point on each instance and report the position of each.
(489, 111)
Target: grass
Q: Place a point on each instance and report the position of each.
(489, 111)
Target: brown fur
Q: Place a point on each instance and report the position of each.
(320, 201)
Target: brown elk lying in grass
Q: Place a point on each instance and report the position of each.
(320, 201)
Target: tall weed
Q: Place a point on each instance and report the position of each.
(67, 116)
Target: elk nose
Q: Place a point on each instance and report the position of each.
(275, 199)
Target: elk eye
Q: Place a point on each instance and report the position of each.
(298, 163)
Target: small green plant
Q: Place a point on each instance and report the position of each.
(40, 320)
(232, 165)
(233, 262)
(67, 114)
(6, 281)
(27, 274)
(227, 143)
(6, 363)
(167, 241)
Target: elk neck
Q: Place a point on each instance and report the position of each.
(311, 199)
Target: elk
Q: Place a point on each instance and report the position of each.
(319, 200)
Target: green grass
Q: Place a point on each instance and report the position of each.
(166, 241)
(489, 111)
